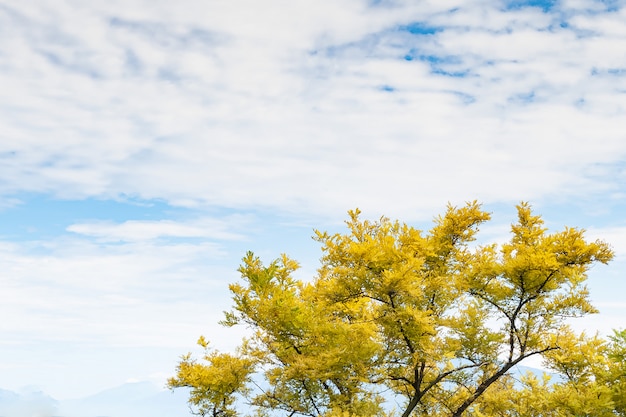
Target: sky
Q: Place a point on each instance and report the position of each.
(146, 145)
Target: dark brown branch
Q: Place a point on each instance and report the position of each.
(489, 381)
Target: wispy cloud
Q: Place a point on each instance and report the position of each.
(313, 107)
(122, 294)
(615, 236)
(141, 230)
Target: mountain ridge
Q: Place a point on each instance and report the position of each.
(126, 400)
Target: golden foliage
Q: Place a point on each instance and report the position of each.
(429, 319)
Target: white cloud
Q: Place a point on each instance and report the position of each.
(248, 117)
(614, 236)
(141, 230)
(126, 295)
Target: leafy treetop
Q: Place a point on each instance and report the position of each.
(428, 321)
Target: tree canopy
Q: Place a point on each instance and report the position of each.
(403, 322)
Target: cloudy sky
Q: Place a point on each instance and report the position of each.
(145, 145)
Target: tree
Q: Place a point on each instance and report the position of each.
(589, 380)
(577, 386)
(429, 321)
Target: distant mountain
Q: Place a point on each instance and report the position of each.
(8, 397)
(128, 400)
(31, 404)
(520, 370)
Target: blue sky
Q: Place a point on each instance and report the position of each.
(145, 146)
